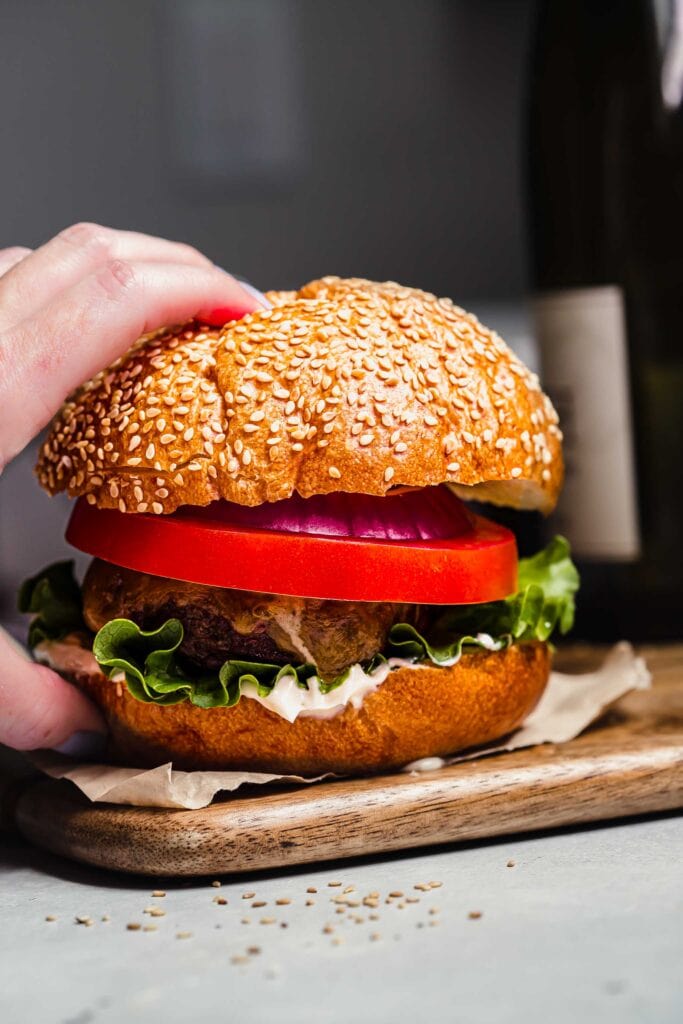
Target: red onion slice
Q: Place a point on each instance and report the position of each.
(429, 513)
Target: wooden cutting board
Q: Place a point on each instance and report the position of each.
(628, 763)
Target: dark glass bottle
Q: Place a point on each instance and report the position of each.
(605, 191)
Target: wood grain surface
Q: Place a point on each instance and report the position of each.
(630, 762)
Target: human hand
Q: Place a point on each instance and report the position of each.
(68, 309)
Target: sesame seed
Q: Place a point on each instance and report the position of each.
(157, 508)
(388, 474)
(149, 453)
(515, 472)
(334, 473)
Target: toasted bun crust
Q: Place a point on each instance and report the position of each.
(415, 713)
(345, 385)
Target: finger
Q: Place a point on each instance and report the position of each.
(39, 709)
(8, 257)
(71, 255)
(46, 357)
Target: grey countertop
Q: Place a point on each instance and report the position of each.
(585, 925)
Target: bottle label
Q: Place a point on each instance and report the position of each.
(582, 341)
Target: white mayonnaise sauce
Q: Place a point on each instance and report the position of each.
(425, 764)
(287, 699)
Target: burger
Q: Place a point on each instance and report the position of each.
(286, 576)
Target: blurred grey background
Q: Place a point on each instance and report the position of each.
(285, 138)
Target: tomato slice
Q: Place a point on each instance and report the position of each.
(202, 545)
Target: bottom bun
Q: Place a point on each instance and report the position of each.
(416, 712)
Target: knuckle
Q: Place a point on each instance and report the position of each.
(94, 237)
(191, 252)
(116, 278)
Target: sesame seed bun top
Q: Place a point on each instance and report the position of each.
(345, 385)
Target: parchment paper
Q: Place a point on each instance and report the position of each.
(569, 704)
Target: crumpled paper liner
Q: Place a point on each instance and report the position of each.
(570, 703)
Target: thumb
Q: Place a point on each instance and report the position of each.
(39, 709)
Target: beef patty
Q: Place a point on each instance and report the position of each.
(221, 624)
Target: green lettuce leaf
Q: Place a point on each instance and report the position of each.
(155, 672)
(543, 603)
(53, 597)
